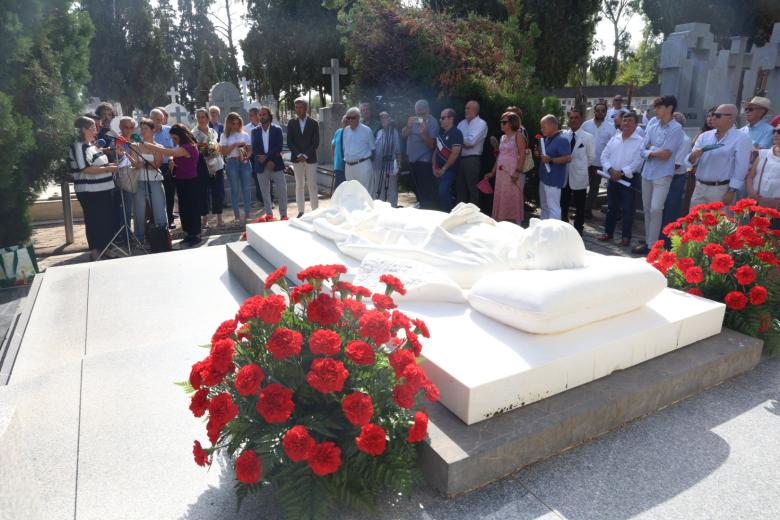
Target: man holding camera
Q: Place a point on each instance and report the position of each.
(420, 133)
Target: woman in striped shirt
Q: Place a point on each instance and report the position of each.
(93, 181)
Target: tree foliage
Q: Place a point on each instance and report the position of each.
(604, 70)
(641, 67)
(752, 18)
(566, 28)
(45, 47)
(289, 42)
(129, 60)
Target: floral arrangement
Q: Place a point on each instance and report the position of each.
(731, 258)
(316, 393)
(209, 149)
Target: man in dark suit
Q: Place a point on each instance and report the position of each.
(267, 143)
(303, 138)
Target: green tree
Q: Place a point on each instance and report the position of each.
(120, 67)
(603, 70)
(641, 67)
(45, 46)
(752, 18)
(619, 14)
(566, 29)
(206, 79)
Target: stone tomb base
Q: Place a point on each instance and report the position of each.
(483, 367)
(459, 458)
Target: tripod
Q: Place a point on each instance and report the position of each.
(387, 161)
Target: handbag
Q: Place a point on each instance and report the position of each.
(528, 162)
(127, 179)
(214, 164)
(485, 187)
(159, 237)
(767, 202)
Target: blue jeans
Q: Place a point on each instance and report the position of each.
(444, 186)
(340, 177)
(240, 177)
(674, 200)
(619, 198)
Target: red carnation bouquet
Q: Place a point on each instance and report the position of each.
(731, 258)
(316, 391)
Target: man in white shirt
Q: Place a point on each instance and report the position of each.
(474, 130)
(722, 159)
(359, 146)
(617, 108)
(621, 159)
(602, 131)
(674, 199)
(583, 153)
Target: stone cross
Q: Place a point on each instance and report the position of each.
(174, 95)
(179, 115)
(335, 71)
(244, 84)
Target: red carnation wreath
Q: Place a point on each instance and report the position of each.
(317, 391)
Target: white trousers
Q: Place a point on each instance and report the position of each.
(653, 199)
(550, 200)
(360, 172)
(305, 175)
(704, 194)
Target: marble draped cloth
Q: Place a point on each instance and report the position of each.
(463, 244)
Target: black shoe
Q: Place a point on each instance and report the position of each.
(300, 214)
(171, 226)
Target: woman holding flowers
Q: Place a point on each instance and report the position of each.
(214, 185)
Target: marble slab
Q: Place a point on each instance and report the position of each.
(483, 367)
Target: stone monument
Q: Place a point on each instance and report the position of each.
(176, 112)
(330, 116)
(246, 94)
(702, 76)
(228, 98)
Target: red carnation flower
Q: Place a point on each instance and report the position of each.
(768, 257)
(222, 354)
(393, 283)
(403, 396)
(225, 329)
(374, 325)
(765, 321)
(758, 295)
(683, 264)
(284, 343)
(248, 379)
(713, 249)
(372, 439)
(671, 226)
(667, 259)
(275, 277)
(327, 375)
(760, 222)
(696, 233)
(195, 373)
(383, 302)
(249, 308)
(695, 291)
(431, 391)
(361, 292)
(213, 373)
(344, 287)
(709, 219)
(415, 376)
(742, 205)
(354, 307)
(221, 409)
(324, 458)
(272, 308)
(199, 402)
(358, 408)
(694, 275)
(422, 328)
(399, 359)
(275, 404)
(414, 342)
(360, 353)
(733, 242)
(297, 293)
(419, 429)
(745, 275)
(248, 467)
(213, 429)
(322, 272)
(325, 342)
(736, 300)
(722, 263)
(201, 455)
(298, 443)
(324, 310)
(399, 320)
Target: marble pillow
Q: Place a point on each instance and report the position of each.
(548, 302)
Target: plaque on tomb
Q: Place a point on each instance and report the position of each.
(228, 98)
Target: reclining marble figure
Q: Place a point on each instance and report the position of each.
(539, 279)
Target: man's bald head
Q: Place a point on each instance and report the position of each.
(725, 117)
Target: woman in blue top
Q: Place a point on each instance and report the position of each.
(337, 150)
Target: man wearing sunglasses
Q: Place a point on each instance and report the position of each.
(722, 158)
(759, 131)
(446, 159)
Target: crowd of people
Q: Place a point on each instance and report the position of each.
(630, 152)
